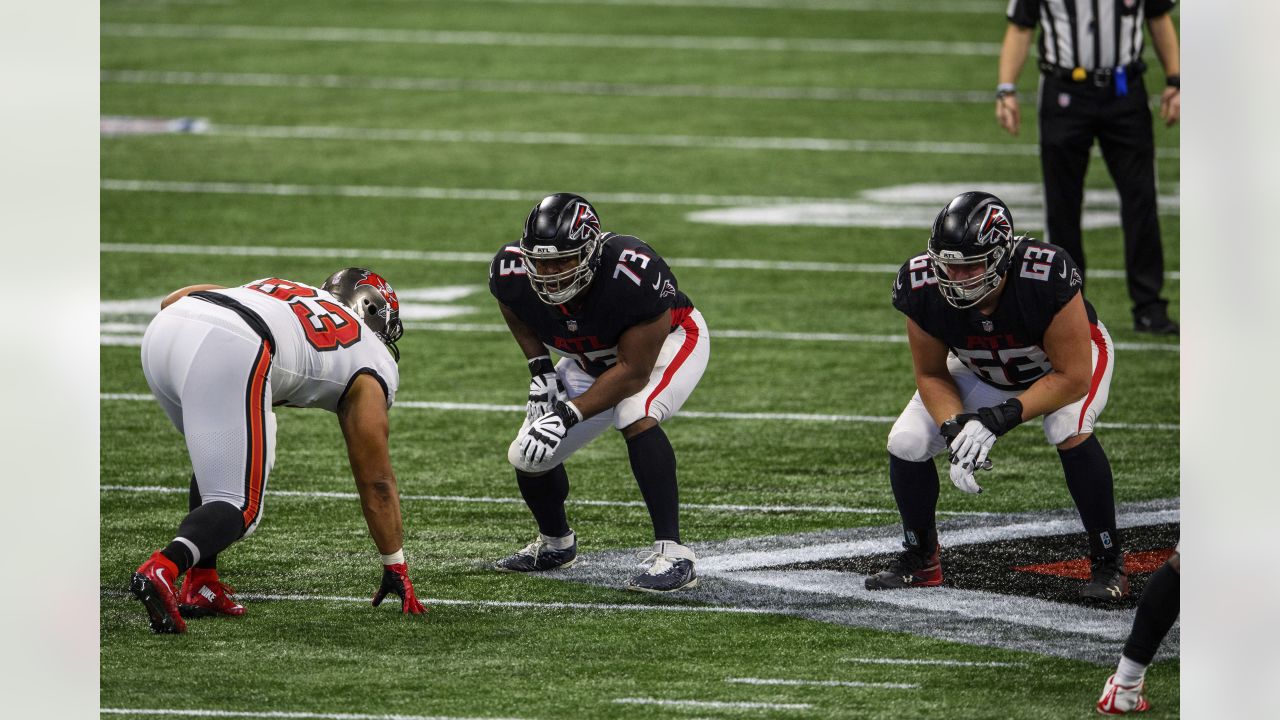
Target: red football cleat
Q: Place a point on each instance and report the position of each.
(1120, 699)
(153, 584)
(203, 594)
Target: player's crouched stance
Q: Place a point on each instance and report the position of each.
(634, 348)
(999, 333)
(218, 359)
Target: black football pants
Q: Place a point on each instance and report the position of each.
(1072, 115)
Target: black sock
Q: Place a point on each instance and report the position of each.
(210, 561)
(545, 495)
(915, 489)
(653, 462)
(1089, 480)
(1157, 610)
(211, 528)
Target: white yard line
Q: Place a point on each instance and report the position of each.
(439, 193)
(796, 417)
(281, 714)
(739, 562)
(823, 683)
(802, 144)
(880, 6)
(392, 36)
(711, 507)
(541, 87)
(921, 661)
(712, 704)
(467, 257)
(517, 604)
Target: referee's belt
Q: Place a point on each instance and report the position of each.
(1101, 77)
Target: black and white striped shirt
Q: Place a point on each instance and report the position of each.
(1090, 34)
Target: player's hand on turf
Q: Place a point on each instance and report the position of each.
(538, 440)
(544, 388)
(395, 581)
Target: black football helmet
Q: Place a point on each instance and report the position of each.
(974, 229)
(372, 299)
(562, 227)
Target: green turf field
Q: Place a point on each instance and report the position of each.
(413, 137)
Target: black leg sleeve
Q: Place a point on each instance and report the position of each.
(653, 461)
(1089, 480)
(545, 495)
(211, 528)
(209, 561)
(1157, 611)
(915, 489)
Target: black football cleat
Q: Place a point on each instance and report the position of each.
(668, 568)
(1107, 580)
(152, 584)
(909, 569)
(538, 556)
(1155, 320)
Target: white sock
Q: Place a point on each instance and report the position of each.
(561, 543)
(1130, 672)
(673, 549)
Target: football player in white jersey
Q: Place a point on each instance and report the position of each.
(218, 359)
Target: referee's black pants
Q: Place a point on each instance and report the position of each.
(1072, 115)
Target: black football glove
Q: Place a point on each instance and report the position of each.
(395, 581)
(1001, 418)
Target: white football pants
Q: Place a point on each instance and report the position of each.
(916, 437)
(209, 371)
(676, 373)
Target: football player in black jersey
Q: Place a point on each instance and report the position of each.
(999, 334)
(633, 348)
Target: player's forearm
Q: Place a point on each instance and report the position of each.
(615, 385)
(1013, 53)
(1051, 392)
(1164, 37)
(940, 395)
(524, 335)
(380, 503)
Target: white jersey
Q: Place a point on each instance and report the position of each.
(319, 345)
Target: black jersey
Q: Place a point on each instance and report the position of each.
(1004, 349)
(632, 285)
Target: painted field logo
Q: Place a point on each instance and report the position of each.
(1010, 580)
(916, 205)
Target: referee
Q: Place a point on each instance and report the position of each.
(1091, 86)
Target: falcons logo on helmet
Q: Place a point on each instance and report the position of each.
(375, 281)
(995, 227)
(585, 225)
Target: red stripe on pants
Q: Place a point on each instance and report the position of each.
(255, 474)
(1101, 369)
(690, 340)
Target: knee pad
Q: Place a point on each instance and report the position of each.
(910, 446)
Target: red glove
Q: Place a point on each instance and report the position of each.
(395, 581)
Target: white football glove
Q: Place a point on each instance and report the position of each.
(544, 388)
(962, 478)
(537, 442)
(970, 448)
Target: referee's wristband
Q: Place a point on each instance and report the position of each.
(1173, 81)
(1004, 89)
